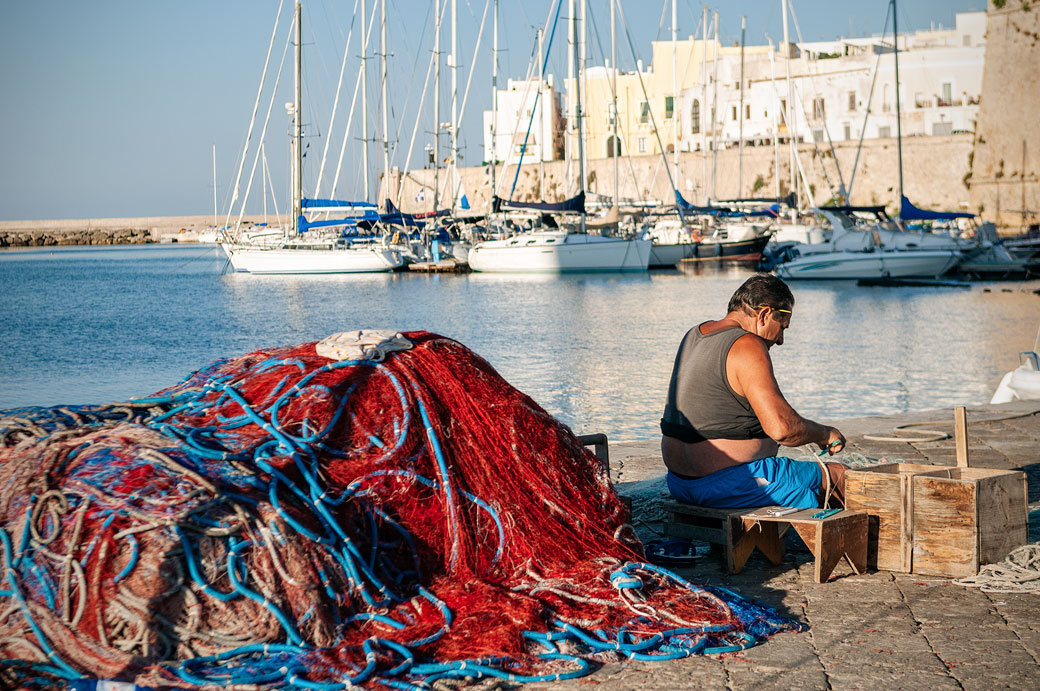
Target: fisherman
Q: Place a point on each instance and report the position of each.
(725, 416)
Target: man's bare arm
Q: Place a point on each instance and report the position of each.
(750, 372)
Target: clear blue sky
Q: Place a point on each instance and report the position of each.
(111, 108)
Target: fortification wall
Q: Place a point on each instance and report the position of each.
(934, 168)
(1005, 171)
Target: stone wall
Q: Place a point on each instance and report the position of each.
(1005, 170)
(105, 231)
(935, 169)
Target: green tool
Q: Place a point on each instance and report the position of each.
(826, 513)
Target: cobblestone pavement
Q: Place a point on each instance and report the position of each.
(878, 630)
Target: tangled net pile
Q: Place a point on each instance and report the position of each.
(282, 519)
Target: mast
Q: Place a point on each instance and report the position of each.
(385, 107)
(899, 117)
(613, 90)
(740, 142)
(494, 96)
(215, 187)
(704, 105)
(675, 91)
(297, 135)
(454, 94)
(715, 108)
(577, 112)
(582, 68)
(364, 98)
(571, 41)
(541, 118)
(437, 106)
(789, 109)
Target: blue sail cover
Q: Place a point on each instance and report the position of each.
(575, 204)
(334, 204)
(723, 211)
(909, 212)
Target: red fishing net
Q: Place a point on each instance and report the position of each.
(283, 519)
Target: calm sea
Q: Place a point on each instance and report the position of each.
(95, 325)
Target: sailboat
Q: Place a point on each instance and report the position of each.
(570, 248)
(305, 246)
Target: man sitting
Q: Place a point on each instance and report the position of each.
(725, 416)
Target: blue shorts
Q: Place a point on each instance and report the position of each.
(773, 481)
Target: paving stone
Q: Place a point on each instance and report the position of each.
(906, 679)
(996, 676)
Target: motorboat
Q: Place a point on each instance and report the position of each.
(559, 251)
(671, 242)
(1021, 383)
(875, 250)
(732, 240)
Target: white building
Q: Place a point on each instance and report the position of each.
(833, 86)
(835, 83)
(529, 119)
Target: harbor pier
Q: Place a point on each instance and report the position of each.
(881, 629)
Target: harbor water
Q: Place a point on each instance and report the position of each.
(97, 325)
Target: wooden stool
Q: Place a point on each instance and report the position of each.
(741, 531)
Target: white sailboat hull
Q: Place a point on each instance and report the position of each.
(670, 255)
(559, 252)
(869, 265)
(349, 260)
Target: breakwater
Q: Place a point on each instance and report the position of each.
(97, 236)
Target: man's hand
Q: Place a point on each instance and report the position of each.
(835, 441)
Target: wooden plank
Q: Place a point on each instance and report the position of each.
(945, 524)
(885, 493)
(1003, 525)
(960, 435)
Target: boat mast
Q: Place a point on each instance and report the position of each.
(675, 91)
(454, 95)
(364, 97)
(214, 186)
(789, 106)
(386, 120)
(899, 117)
(704, 104)
(541, 117)
(437, 105)
(740, 135)
(715, 108)
(494, 96)
(577, 113)
(297, 136)
(613, 91)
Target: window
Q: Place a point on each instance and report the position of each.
(783, 110)
(852, 101)
(613, 147)
(848, 131)
(642, 145)
(669, 107)
(734, 113)
(644, 112)
(818, 112)
(817, 134)
(747, 112)
(611, 113)
(695, 117)
(947, 94)
(884, 132)
(966, 40)
(942, 128)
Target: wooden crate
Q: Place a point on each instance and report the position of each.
(966, 517)
(885, 493)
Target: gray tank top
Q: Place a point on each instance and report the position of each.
(701, 403)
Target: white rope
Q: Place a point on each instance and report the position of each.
(1019, 573)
